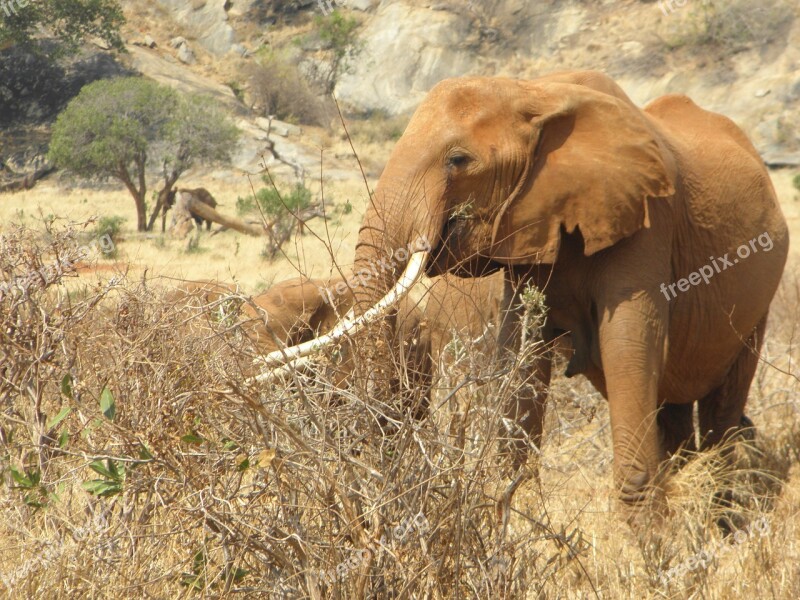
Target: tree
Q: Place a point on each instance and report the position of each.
(118, 127)
(340, 34)
(70, 21)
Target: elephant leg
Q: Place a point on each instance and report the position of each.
(722, 411)
(675, 422)
(525, 409)
(632, 334)
(722, 416)
(208, 225)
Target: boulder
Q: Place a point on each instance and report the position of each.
(185, 55)
(407, 50)
(207, 22)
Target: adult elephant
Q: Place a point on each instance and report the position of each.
(198, 194)
(628, 220)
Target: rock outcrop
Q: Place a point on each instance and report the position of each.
(207, 22)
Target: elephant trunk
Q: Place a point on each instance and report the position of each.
(399, 230)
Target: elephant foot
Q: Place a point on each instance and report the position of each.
(747, 429)
(730, 519)
(643, 500)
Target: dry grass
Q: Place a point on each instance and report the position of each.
(208, 487)
(228, 256)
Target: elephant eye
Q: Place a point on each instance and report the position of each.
(457, 160)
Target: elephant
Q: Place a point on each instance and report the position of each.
(654, 234)
(200, 194)
(296, 310)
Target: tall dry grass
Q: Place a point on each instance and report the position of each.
(171, 477)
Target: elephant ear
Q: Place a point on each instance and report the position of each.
(595, 160)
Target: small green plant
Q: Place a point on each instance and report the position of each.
(535, 311)
(110, 226)
(796, 182)
(29, 481)
(113, 478)
(339, 33)
(282, 212)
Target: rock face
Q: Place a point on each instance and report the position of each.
(205, 21)
(33, 90)
(407, 50)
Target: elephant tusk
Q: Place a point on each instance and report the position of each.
(286, 357)
(281, 371)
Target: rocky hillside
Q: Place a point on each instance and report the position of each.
(743, 61)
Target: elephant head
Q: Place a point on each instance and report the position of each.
(506, 165)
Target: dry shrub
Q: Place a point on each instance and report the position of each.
(730, 26)
(378, 127)
(171, 476)
(278, 88)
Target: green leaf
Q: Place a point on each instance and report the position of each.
(63, 439)
(102, 487)
(62, 414)
(21, 478)
(144, 453)
(239, 574)
(192, 438)
(99, 468)
(107, 404)
(229, 445)
(66, 386)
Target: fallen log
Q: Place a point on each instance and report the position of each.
(187, 207)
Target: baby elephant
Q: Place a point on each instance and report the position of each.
(436, 312)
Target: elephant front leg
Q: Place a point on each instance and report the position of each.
(632, 335)
(525, 408)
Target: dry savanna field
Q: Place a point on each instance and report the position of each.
(137, 463)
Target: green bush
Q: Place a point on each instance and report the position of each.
(339, 34)
(273, 204)
(110, 226)
(796, 182)
(119, 127)
(278, 211)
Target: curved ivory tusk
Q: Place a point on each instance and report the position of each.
(348, 326)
